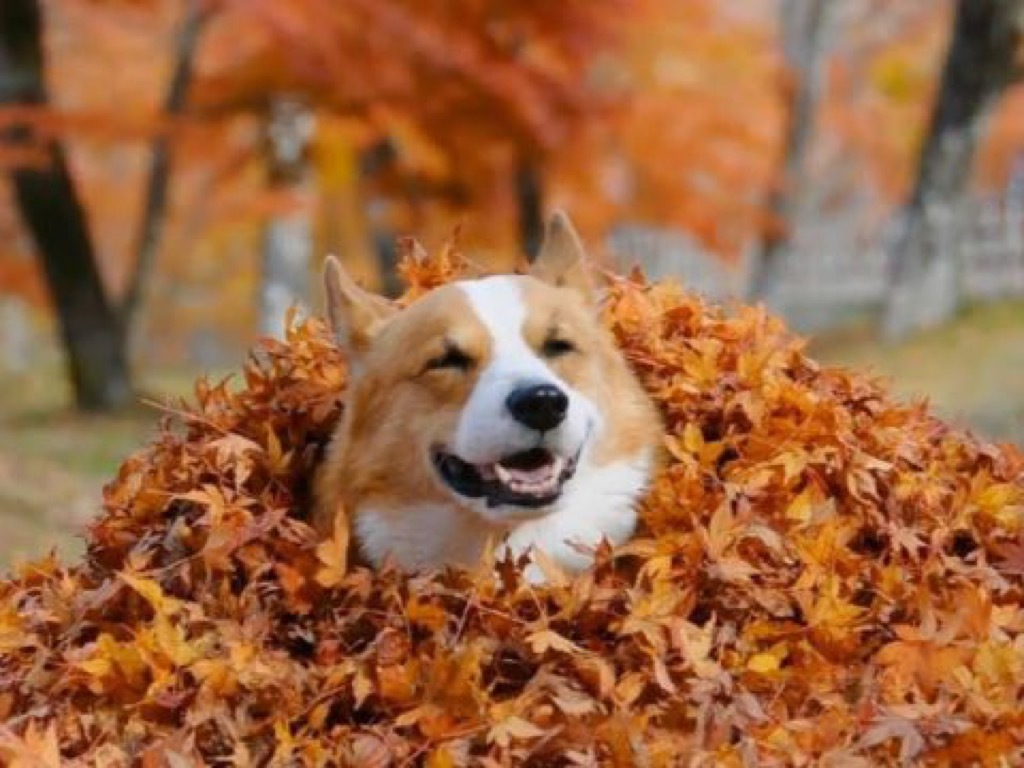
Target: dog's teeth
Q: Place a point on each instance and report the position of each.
(541, 481)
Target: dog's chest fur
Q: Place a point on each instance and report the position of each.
(598, 504)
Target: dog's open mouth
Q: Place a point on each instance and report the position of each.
(532, 478)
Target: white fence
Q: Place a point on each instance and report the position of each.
(836, 267)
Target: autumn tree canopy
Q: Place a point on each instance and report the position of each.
(672, 115)
(505, 82)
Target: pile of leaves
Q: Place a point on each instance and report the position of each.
(822, 575)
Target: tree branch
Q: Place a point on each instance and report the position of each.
(154, 209)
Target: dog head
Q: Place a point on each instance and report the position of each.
(487, 396)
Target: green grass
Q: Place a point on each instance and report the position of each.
(972, 369)
(54, 461)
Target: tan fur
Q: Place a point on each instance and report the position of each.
(398, 410)
(600, 371)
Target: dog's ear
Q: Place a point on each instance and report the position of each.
(562, 260)
(355, 315)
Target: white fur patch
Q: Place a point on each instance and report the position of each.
(422, 536)
(486, 431)
(598, 503)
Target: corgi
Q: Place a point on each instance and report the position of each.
(493, 410)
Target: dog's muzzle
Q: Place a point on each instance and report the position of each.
(530, 479)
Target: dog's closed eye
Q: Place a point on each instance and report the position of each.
(557, 346)
(453, 358)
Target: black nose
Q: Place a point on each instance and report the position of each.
(538, 406)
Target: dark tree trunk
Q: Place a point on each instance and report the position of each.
(385, 249)
(155, 205)
(980, 64)
(530, 204)
(802, 27)
(45, 193)
(377, 160)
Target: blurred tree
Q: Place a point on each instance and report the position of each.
(884, 62)
(155, 204)
(475, 95)
(692, 140)
(95, 327)
(376, 162)
(90, 325)
(530, 207)
(981, 62)
(466, 95)
(288, 238)
(802, 25)
(648, 112)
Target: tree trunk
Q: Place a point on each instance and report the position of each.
(155, 205)
(530, 204)
(377, 160)
(802, 24)
(980, 64)
(385, 248)
(288, 239)
(45, 194)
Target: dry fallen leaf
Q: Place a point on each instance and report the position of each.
(822, 576)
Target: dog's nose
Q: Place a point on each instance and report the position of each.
(538, 406)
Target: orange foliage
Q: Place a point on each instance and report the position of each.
(500, 70)
(1004, 149)
(465, 90)
(822, 575)
(692, 144)
(876, 116)
(657, 111)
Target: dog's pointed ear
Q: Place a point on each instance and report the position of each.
(562, 260)
(355, 315)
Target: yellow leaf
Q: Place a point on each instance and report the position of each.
(513, 728)
(1005, 503)
(277, 459)
(96, 666)
(152, 592)
(793, 463)
(426, 614)
(763, 663)
(799, 509)
(768, 662)
(544, 639)
(333, 556)
(172, 642)
(284, 742)
(440, 758)
(362, 686)
(693, 438)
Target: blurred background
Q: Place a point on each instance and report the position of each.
(173, 171)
